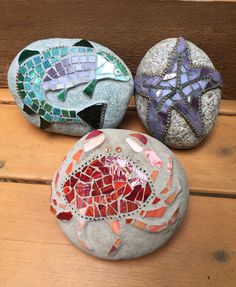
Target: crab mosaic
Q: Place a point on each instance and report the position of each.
(59, 69)
(111, 187)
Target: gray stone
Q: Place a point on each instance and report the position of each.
(132, 159)
(116, 94)
(179, 134)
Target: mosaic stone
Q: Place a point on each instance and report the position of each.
(177, 87)
(70, 86)
(119, 194)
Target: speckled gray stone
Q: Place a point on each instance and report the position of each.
(115, 93)
(179, 135)
(169, 191)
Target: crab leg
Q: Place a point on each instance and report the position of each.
(115, 227)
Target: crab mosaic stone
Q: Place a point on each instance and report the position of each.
(178, 93)
(70, 86)
(119, 194)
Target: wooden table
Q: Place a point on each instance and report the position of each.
(34, 251)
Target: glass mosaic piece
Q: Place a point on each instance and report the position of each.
(58, 82)
(118, 191)
(180, 87)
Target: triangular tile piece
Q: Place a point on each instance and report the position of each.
(93, 115)
(84, 43)
(25, 55)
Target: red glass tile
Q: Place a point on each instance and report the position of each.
(127, 190)
(140, 195)
(119, 184)
(107, 179)
(52, 209)
(96, 162)
(147, 192)
(96, 211)
(85, 178)
(89, 211)
(110, 210)
(104, 170)
(134, 193)
(156, 200)
(90, 170)
(131, 206)
(73, 181)
(107, 189)
(77, 175)
(100, 182)
(70, 196)
(83, 189)
(123, 206)
(80, 203)
(114, 205)
(96, 175)
(69, 168)
(67, 183)
(66, 189)
(102, 209)
(96, 190)
(54, 201)
(93, 134)
(140, 137)
(65, 215)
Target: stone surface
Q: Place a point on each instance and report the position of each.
(102, 105)
(119, 194)
(180, 133)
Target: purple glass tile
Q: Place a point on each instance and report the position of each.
(66, 62)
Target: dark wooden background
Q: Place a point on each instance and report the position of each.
(128, 27)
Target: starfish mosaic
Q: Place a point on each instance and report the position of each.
(180, 88)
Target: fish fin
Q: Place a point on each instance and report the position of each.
(28, 110)
(94, 115)
(84, 43)
(62, 95)
(90, 88)
(44, 124)
(25, 54)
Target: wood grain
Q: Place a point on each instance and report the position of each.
(129, 28)
(34, 251)
(33, 154)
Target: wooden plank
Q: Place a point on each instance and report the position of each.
(129, 28)
(227, 107)
(33, 154)
(34, 251)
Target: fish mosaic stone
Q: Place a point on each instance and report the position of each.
(70, 86)
(119, 194)
(178, 93)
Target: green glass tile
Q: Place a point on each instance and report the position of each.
(39, 68)
(35, 107)
(20, 86)
(22, 94)
(46, 64)
(65, 113)
(47, 107)
(72, 114)
(62, 120)
(47, 55)
(36, 101)
(32, 95)
(20, 77)
(48, 117)
(23, 70)
(41, 75)
(29, 64)
(32, 74)
(41, 112)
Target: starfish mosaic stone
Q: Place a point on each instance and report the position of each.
(180, 87)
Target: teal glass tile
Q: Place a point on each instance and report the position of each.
(32, 95)
(37, 81)
(54, 60)
(64, 51)
(29, 64)
(35, 107)
(48, 117)
(40, 96)
(32, 74)
(41, 112)
(56, 111)
(23, 70)
(37, 60)
(27, 79)
(47, 55)
(55, 51)
(46, 64)
(36, 88)
(28, 87)
(39, 68)
(27, 101)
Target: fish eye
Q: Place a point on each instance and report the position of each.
(117, 72)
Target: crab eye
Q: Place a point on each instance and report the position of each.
(117, 72)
